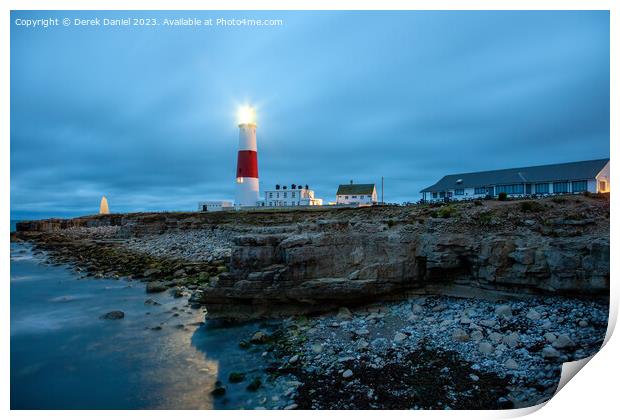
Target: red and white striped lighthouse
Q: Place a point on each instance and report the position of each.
(247, 193)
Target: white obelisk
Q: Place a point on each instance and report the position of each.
(103, 206)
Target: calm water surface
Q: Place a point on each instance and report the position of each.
(63, 356)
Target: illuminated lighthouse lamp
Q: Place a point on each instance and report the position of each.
(247, 193)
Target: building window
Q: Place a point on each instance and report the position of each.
(580, 186)
(542, 188)
(442, 194)
(354, 196)
(277, 195)
(510, 189)
(293, 194)
(346, 197)
(480, 190)
(602, 186)
(434, 195)
(560, 187)
(270, 195)
(459, 191)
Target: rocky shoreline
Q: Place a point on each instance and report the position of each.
(438, 352)
(246, 265)
(536, 274)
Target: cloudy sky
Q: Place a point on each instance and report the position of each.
(146, 116)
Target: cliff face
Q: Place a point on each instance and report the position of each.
(560, 248)
(320, 259)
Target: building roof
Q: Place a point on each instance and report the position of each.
(587, 169)
(355, 189)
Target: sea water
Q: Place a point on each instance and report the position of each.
(64, 356)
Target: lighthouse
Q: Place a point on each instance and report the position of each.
(247, 193)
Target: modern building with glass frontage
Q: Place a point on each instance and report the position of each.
(560, 178)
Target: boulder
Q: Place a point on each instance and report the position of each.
(512, 340)
(496, 337)
(504, 311)
(549, 352)
(511, 364)
(155, 287)
(563, 341)
(344, 313)
(533, 315)
(477, 335)
(236, 377)
(485, 348)
(255, 384)
(460, 335)
(113, 315)
(219, 390)
(151, 272)
(489, 323)
(259, 337)
(317, 348)
(362, 344)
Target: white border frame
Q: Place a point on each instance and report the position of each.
(592, 394)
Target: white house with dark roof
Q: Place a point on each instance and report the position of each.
(561, 178)
(293, 196)
(356, 194)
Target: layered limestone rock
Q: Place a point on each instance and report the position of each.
(338, 262)
(295, 261)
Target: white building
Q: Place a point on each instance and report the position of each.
(216, 205)
(561, 178)
(290, 196)
(356, 194)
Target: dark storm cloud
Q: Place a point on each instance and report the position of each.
(146, 115)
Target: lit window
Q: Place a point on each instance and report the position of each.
(580, 186)
(542, 188)
(560, 187)
(510, 189)
(602, 185)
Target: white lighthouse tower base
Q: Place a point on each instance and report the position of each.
(247, 192)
